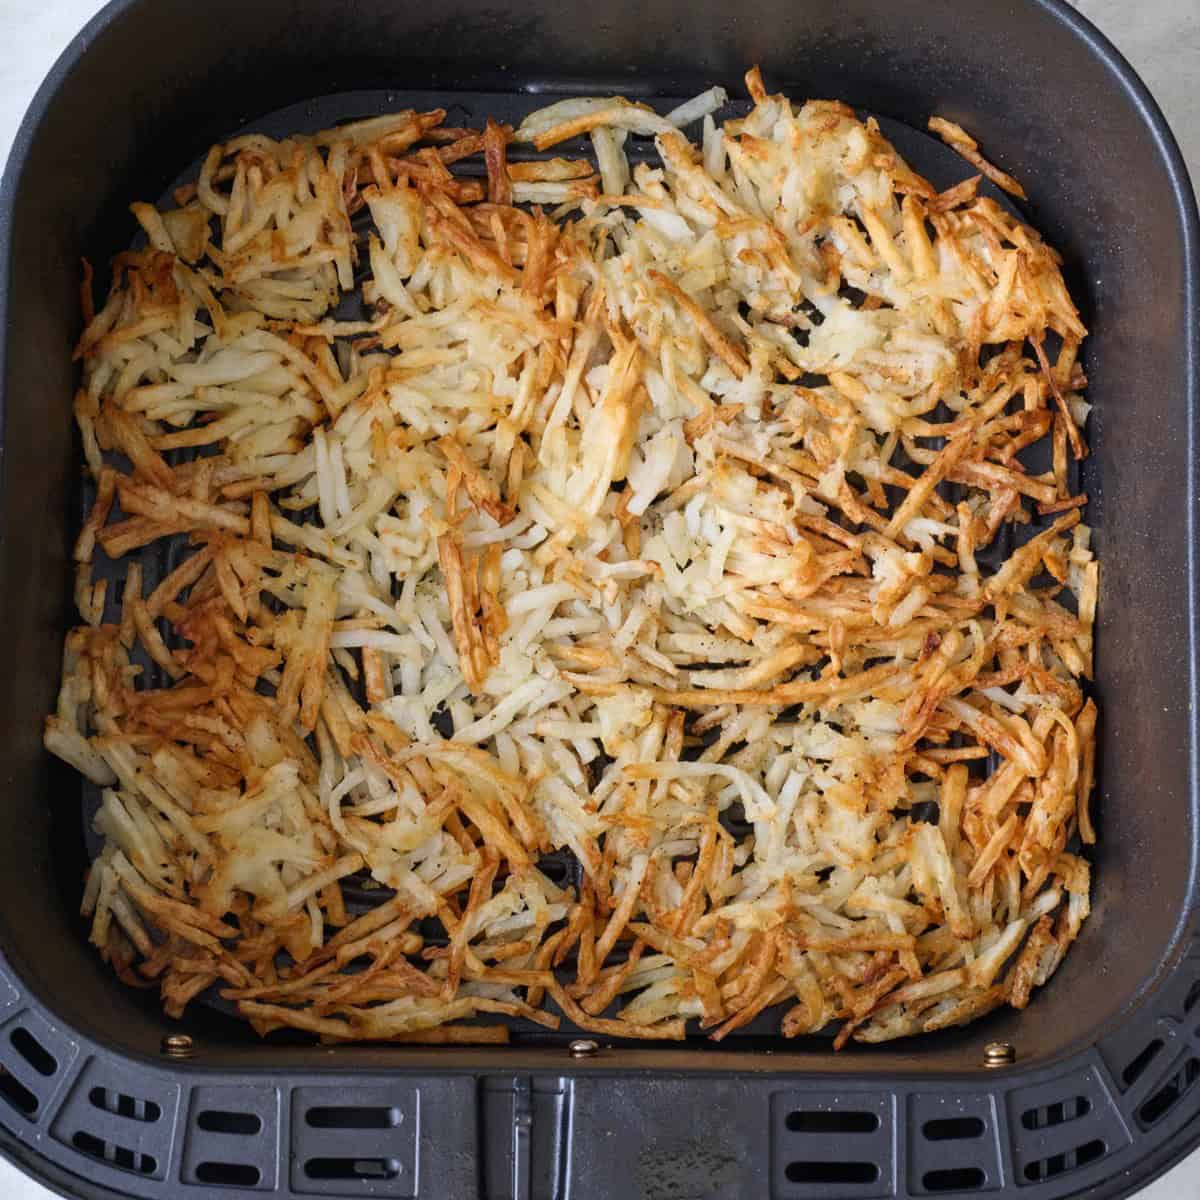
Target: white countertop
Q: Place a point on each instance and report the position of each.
(1160, 37)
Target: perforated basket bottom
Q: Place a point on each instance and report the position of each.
(925, 153)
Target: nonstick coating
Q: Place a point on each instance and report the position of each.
(925, 153)
(151, 82)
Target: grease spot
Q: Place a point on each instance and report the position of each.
(685, 1170)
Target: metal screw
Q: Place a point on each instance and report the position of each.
(584, 1048)
(178, 1045)
(999, 1054)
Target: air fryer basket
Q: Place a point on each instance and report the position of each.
(1105, 1092)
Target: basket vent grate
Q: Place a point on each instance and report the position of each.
(831, 1122)
(1169, 1094)
(1060, 1164)
(33, 1052)
(354, 1141)
(121, 1104)
(241, 1124)
(954, 1179)
(124, 1158)
(34, 1061)
(953, 1129)
(223, 1174)
(233, 1138)
(831, 1145)
(353, 1117)
(1061, 1112)
(352, 1168)
(831, 1172)
(17, 1094)
(1192, 998)
(1063, 1126)
(953, 1143)
(119, 1115)
(1137, 1068)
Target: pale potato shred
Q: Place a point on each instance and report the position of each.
(645, 515)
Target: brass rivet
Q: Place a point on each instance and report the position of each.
(178, 1045)
(584, 1048)
(999, 1054)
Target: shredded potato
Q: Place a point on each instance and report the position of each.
(683, 530)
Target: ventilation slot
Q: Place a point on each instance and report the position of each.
(558, 868)
(831, 1122)
(368, 1169)
(17, 1094)
(953, 1146)
(354, 1140)
(225, 1174)
(956, 1179)
(1193, 997)
(33, 1052)
(928, 812)
(1167, 1096)
(832, 1144)
(216, 1121)
(1137, 1068)
(831, 1172)
(121, 1105)
(350, 1117)
(115, 1156)
(1049, 1115)
(232, 1139)
(1060, 1164)
(952, 1129)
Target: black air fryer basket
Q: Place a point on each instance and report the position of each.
(1105, 1089)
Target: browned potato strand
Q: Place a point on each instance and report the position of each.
(610, 519)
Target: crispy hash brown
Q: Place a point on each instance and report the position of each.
(645, 515)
